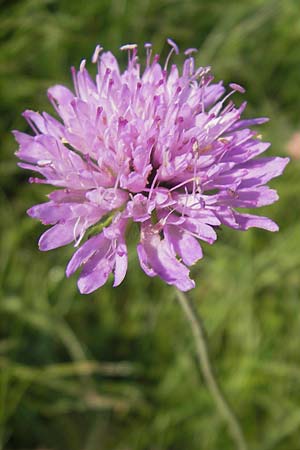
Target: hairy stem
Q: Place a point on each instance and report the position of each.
(202, 353)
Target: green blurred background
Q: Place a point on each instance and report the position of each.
(116, 369)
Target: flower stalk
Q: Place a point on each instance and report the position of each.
(202, 353)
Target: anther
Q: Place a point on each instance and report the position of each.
(237, 87)
(173, 49)
(148, 47)
(96, 53)
(173, 45)
(190, 51)
(128, 47)
(82, 65)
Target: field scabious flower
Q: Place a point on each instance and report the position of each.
(162, 148)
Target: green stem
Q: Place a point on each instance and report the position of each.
(214, 388)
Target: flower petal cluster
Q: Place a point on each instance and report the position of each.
(164, 148)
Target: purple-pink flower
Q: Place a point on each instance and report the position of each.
(163, 148)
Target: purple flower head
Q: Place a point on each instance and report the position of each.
(164, 148)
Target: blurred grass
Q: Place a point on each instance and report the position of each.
(115, 370)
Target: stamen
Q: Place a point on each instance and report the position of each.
(206, 79)
(82, 65)
(196, 180)
(190, 51)
(163, 221)
(228, 107)
(96, 54)
(237, 87)
(173, 45)
(201, 71)
(200, 202)
(128, 47)
(117, 181)
(79, 238)
(152, 186)
(181, 184)
(186, 201)
(148, 47)
(173, 49)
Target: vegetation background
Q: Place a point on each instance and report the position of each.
(116, 369)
